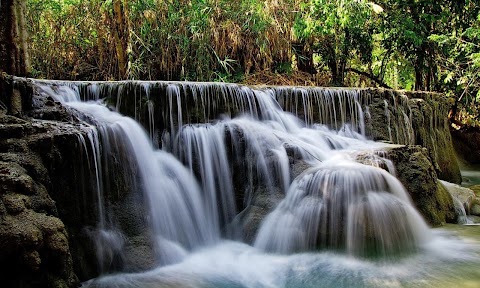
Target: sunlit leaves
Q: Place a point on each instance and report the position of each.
(460, 68)
(449, 77)
(339, 30)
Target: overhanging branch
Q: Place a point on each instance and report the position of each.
(369, 76)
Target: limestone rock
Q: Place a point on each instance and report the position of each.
(16, 203)
(475, 189)
(464, 195)
(475, 209)
(34, 244)
(416, 172)
(251, 217)
(418, 118)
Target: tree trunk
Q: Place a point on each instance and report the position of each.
(14, 58)
(121, 35)
(304, 55)
(13, 38)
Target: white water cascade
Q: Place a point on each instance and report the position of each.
(334, 217)
(172, 193)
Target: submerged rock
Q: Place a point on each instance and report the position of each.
(465, 196)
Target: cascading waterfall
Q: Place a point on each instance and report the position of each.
(204, 150)
(171, 191)
(340, 204)
(213, 157)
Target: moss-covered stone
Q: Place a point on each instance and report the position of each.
(418, 118)
(475, 189)
(417, 174)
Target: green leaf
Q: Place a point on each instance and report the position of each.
(475, 57)
(449, 77)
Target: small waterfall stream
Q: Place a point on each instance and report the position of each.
(238, 145)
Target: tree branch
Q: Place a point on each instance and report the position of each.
(370, 76)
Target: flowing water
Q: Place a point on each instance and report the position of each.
(338, 223)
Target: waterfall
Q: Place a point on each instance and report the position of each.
(462, 200)
(190, 205)
(203, 156)
(172, 193)
(341, 204)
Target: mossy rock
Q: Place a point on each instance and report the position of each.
(416, 172)
(475, 189)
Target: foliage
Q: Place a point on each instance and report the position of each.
(174, 40)
(339, 31)
(405, 28)
(459, 63)
(422, 45)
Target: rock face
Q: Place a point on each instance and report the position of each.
(400, 117)
(416, 172)
(34, 243)
(48, 202)
(418, 118)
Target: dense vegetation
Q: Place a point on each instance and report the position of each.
(421, 45)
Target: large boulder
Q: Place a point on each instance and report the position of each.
(264, 201)
(415, 170)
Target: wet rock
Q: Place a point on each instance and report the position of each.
(465, 196)
(14, 178)
(32, 259)
(416, 172)
(418, 118)
(251, 217)
(16, 203)
(475, 209)
(475, 189)
(297, 167)
(34, 244)
(139, 254)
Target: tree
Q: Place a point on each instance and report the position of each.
(121, 35)
(406, 27)
(14, 58)
(459, 63)
(13, 52)
(338, 31)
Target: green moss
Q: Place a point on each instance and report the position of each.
(444, 202)
(475, 189)
(417, 174)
